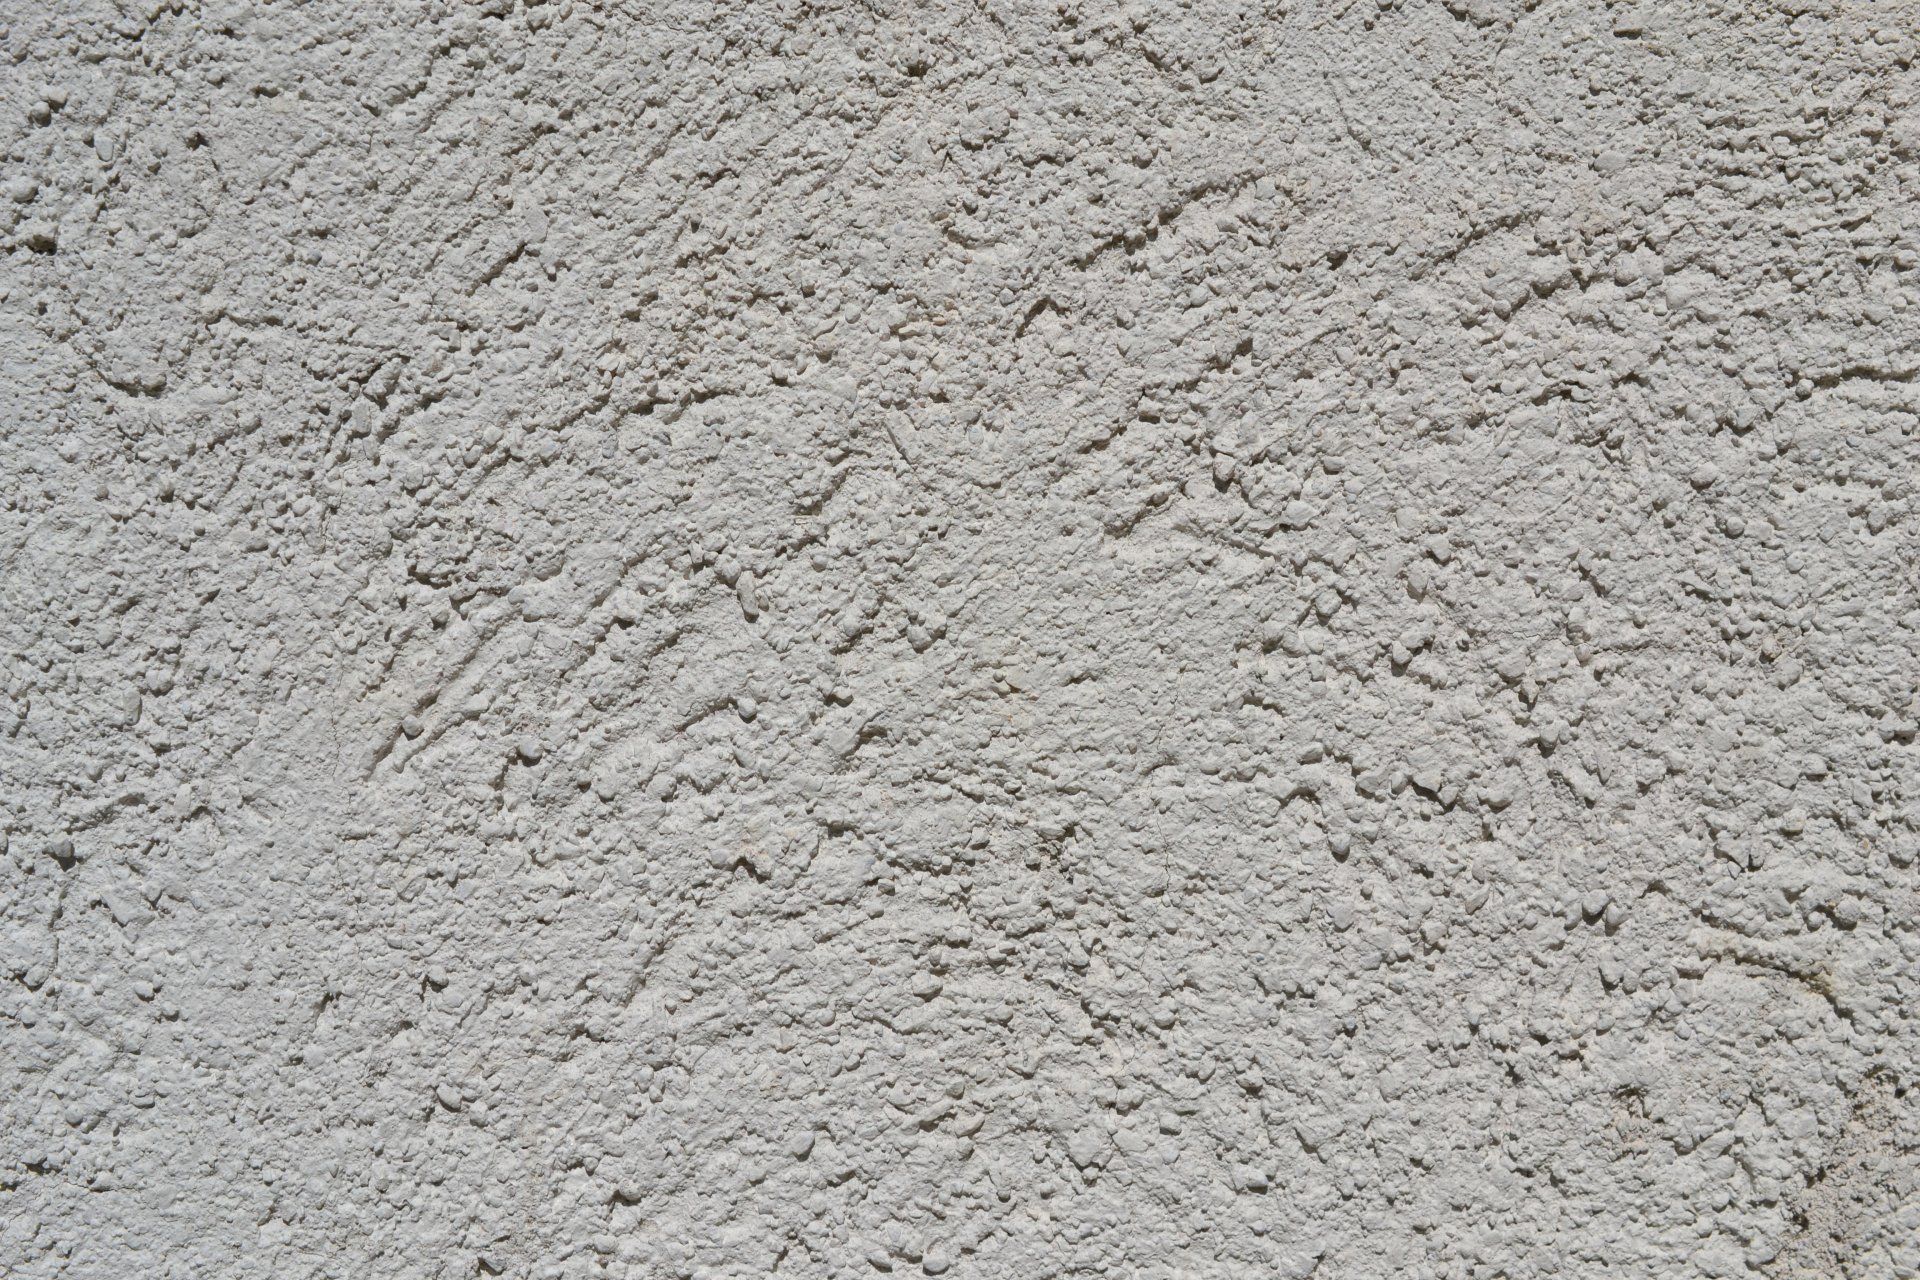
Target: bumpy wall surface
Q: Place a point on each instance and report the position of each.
(993, 639)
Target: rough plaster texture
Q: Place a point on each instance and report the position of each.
(992, 640)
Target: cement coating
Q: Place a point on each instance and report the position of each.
(1001, 640)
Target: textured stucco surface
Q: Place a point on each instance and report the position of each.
(993, 640)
